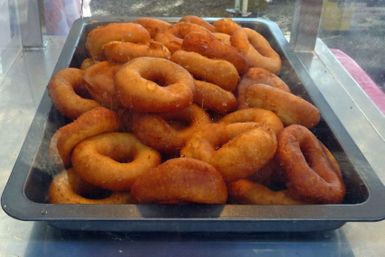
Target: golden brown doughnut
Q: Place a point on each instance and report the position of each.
(101, 35)
(226, 25)
(63, 88)
(310, 172)
(256, 49)
(290, 108)
(181, 180)
(219, 72)
(212, 97)
(248, 192)
(121, 52)
(260, 116)
(113, 160)
(199, 21)
(257, 75)
(236, 150)
(65, 187)
(137, 85)
(153, 25)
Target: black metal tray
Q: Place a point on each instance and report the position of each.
(25, 195)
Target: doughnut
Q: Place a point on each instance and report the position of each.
(312, 175)
(113, 161)
(226, 25)
(149, 84)
(260, 116)
(257, 75)
(86, 63)
(199, 21)
(207, 44)
(225, 38)
(219, 72)
(63, 88)
(181, 180)
(290, 108)
(100, 84)
(173, 37)
(256, 49)
(65, 187)
(248, 192)
(94, 122)
(236, 150)
(166, 132)
(212, 97)
(101, 35)
(121, 52)
(153, 25)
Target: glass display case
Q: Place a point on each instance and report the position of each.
(334, 47)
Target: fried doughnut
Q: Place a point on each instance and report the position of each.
(162, 133)
(219, 72)
(290, 108)
(113, 160)
(86, 63)
(100, 83)
(257, 75)
(173, 37)
(94, 122)
(137, 85)
(226, 25)
(199, 21)
(63, 89)
(312, 175)
(248, 192)
(212, 97)
(260, 116)
(65, 187)
(131, 32)
(256, 49)
(207, 44)
(181, 180)
(236, 150)
(118, 51)
(225, 38)
(153, 25)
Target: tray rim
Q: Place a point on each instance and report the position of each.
(332, 212)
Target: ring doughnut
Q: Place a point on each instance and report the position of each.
(199, 21)
(290, 108)
(260, 116)
(153, 25)
(219, 72)
(173, 37)
(65, 187)
(100, 84)
(311, 174)
(248, 192)
(257, 75)
(131, 32)
(206, 44)
(164, 133)
(181, 180)
(94, 122)
(63, 89)
(227, 26)
(137, 88)
(121, 52)
(113, 160)
(86, 63)
(225, 38)
(256, 49)
(212, 97)
(236, 150)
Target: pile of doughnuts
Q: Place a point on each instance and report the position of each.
(189, 112)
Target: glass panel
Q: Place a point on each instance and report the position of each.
(10, 43)
(355, 31)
